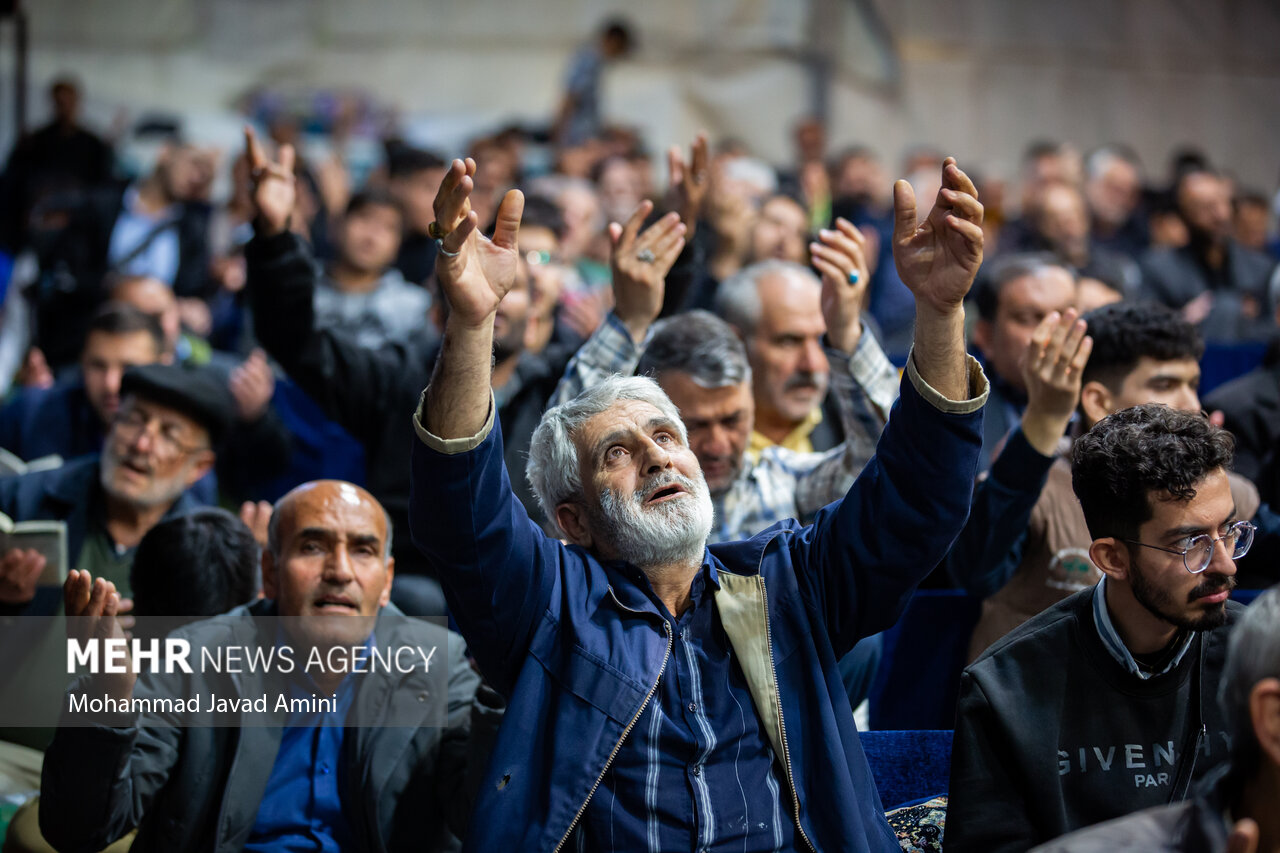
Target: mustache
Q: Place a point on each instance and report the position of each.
(661, 481)
(803, 379)
(136, 460)
(1212, 585)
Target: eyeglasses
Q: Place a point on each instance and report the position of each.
(535, 258)
(1199, 551)
(131, 424)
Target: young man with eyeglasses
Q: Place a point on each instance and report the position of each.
(160, 442)
(1105, 703)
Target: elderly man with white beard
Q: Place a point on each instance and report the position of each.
(662, 694)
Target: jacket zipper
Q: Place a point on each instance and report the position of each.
(782, 726)
(666, 627)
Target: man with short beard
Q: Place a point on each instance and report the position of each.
(664, 695)
(160, 442)
(1105, 703)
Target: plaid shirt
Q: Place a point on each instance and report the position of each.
(783, 483)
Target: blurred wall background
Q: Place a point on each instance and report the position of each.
(978, 77)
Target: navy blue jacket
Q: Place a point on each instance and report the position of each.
(47, 421)
(579, 648)
(64, 494)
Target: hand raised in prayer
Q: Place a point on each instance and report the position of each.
(840, 255)
(1052, 368)
(474, 272)
(93, 608)
(640, 262)
(689, 180)
(938, 258)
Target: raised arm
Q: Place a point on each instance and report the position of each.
(863, 556)
(989, 550)
(937, 260)
(863, 381)
(640, 261)
(349, 382)
(475, 273)
(98, 781)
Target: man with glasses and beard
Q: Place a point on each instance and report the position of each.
(664, 695)
(1104, 704)
(160, 442)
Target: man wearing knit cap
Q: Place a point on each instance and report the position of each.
(161, 440)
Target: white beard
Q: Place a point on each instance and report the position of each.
(674, 531)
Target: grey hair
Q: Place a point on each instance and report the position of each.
(738, 296)
(700, 344)
(273, 529)
(1253, 654)
(1101, 158)
(552, 468)
(993, 278)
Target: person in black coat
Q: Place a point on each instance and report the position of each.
(368, 391)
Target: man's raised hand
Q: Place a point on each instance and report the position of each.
(689, 180)
(640, 262)
(840, 255)
(474, 272)
(938, 258)
(93, 610)
(275, 192)
(1052, 370)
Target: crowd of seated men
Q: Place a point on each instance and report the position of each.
(267, 419)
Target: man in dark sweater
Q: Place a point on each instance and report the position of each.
(368, 391)
(1237, 812)
(1105, 703)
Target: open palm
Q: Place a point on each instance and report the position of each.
(475, 272)
(938, 258)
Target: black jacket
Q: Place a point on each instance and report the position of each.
(1193, 826)
(1174, 277)
(373, 393)
(197, 787)
(1250, 405)
(1052, 734)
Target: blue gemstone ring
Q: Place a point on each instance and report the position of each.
(855, 277)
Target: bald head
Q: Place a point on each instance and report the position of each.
(323, 496)
(328, 565)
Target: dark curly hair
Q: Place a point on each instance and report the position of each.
(1124, 332)
(1128, 456)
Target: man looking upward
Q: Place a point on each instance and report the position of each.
(664, 695)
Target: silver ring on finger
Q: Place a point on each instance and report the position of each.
(646, 256)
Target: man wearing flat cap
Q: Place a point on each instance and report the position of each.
(161, 440)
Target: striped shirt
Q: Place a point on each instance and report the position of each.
(782, 483)
(1116, 647)
(697, 771)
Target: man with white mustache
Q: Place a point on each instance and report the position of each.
(662, 694)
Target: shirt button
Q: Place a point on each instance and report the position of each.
(681, 634)
(697, 770)
(324, 769)
(693, 707)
